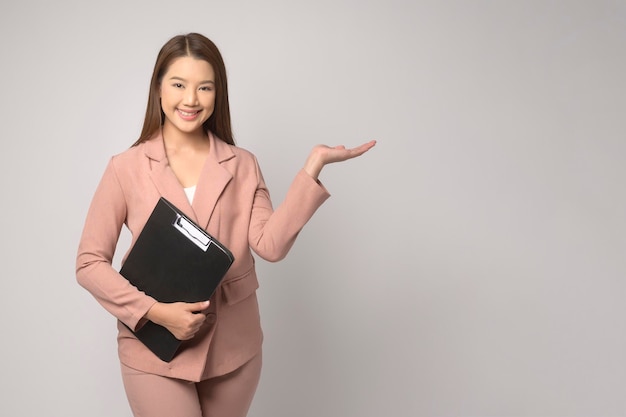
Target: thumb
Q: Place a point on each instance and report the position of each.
(199, 306)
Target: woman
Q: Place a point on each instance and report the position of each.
(186, 153)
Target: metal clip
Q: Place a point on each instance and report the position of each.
(192, 232)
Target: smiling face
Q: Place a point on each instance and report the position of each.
(187, 96)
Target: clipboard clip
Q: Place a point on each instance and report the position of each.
(192, 232)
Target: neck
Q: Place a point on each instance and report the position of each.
(175, 139)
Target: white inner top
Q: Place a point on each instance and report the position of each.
(190, 191)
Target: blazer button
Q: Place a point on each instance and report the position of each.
(211, 318)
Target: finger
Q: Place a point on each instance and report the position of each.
(360, 150)
(351, 153)
(198, 319)
(195, 327)
(187, 336)
(365, 147)
(357, 149)
(192, 328)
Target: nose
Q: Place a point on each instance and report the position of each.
(191, 97)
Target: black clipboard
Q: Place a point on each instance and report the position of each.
(173, 260)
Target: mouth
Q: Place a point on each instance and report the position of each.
(188, 115)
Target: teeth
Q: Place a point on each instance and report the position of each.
(184, 113)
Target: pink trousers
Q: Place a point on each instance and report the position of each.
(228, 395)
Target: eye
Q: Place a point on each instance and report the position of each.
(177, 85)
(206, 88)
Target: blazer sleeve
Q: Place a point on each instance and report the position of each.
(273, 233)
(105, 218)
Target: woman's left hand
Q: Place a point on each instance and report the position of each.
(321, 155)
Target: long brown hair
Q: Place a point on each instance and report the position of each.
(199, 47)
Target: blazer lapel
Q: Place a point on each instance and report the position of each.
(164, 178)
(213, 180)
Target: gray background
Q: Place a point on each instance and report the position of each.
(471, 265)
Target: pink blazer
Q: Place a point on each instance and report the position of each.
(233, 204)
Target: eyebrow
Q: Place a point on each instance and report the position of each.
(201, 82)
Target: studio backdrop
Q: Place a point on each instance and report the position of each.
(471, 264)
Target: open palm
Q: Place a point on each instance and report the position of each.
(322, 154)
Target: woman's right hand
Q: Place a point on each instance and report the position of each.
(183, 320)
